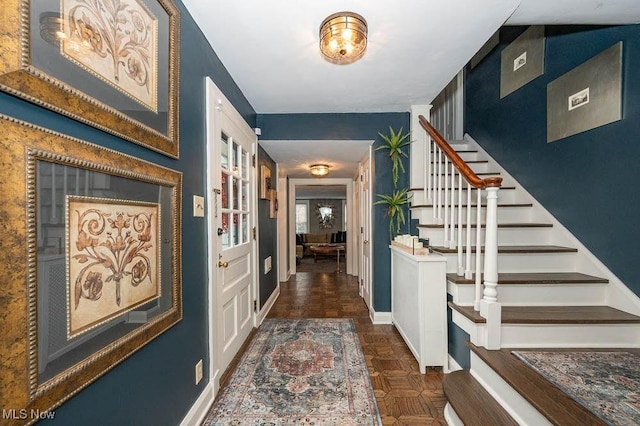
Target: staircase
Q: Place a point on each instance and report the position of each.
(551, 293)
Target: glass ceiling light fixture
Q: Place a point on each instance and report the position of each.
(343, 37)
(319, 169)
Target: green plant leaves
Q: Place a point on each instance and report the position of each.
(395, 143)
(395, 208)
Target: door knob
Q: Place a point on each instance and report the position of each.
(366, 241)
(222, 264)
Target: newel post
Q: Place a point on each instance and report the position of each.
(489, 306)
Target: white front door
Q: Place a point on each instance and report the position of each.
(365, 234)
(231, 181)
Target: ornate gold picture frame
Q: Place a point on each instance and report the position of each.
(111, 65)
(70, 205)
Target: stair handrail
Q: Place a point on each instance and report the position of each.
(444, 208)
(469, 175)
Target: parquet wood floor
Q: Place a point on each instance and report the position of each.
(404, 395)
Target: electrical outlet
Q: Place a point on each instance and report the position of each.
(267, 265)
(198, 371)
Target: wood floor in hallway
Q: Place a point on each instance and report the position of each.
(404, 395)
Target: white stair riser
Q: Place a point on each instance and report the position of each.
(505, 196)
(555, 335)
(535, 294)
(505, 214)
(571, 336)
(506, 236)
(518, 407)
(529, 262)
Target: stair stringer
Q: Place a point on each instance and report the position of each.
(617, 294)
(515, 404)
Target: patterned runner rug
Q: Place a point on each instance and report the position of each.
(302, 372)
(606, 383)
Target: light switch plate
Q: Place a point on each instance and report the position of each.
(198, 206)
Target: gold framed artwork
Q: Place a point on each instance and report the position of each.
(91, 271)
(265, 182)
(110, 64)
(273, 204)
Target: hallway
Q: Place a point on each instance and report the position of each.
(404, 396)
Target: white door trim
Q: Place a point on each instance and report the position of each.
(348, 182)
(215, 100)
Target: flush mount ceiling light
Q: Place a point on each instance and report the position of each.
(343, 37)
(319, 169)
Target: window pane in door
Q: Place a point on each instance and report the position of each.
(225, 231)
(245, 164)
(225, 190)
(236, 188)
(224, 151)
(245, 228)
(236, 229)
(245, 196)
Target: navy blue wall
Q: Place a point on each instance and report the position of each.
(267, 234)
(587, 180)
(155, 385)
(457, 340)
(353, 127)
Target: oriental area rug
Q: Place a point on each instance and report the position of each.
(299, 372)
(606, 383)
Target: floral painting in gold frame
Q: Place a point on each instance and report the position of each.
(113, 254)
(112, 64)
(128, 60)
(42, 366)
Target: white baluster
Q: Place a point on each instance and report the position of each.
(439, 188)
(429, 169)
(452, 234)
(446, 201)
(468, 273)
(460, 228)
(478, 286)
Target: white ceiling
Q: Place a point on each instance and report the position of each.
(270, 48)
(295, 157)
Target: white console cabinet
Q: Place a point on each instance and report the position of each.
(419, 305)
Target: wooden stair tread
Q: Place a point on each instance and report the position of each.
(466, 161)
(420, 206)
(500, 225)
(558, 407)
(512, 249)
(535, 278)
(459, 151)
(553, 315)
(472, 403)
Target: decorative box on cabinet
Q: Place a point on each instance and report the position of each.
(419, 305)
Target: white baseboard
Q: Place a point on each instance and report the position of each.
(381, 317)
(451, 366)
(200, 408)
(267, 306)
(451, 417)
